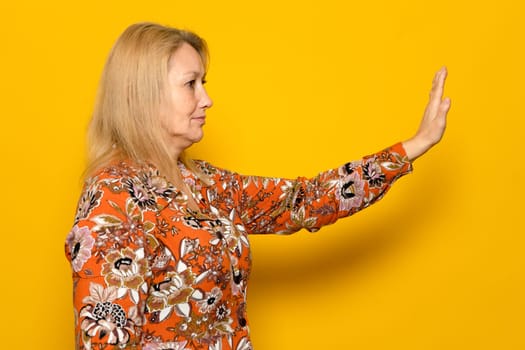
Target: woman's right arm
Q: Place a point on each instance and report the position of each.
(106, 249)
(286, 205)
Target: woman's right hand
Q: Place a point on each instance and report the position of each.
(433, 123)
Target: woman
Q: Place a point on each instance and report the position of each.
(159, 247)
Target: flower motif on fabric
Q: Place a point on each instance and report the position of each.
(210, 301)
(373, 174)
(89, 200)
(244, 344)
(125, 269)
(79, 243)
(222, 312)
(172, 293)
(350, 191)
(121, 226)
(140, 193)
(158, 185)
(232, 234)
(193, 221)
(105, 320)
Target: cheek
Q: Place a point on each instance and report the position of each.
(176, 118)
(183, 101)
(185, 107)
(172, 111)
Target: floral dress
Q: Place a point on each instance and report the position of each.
(150, 273)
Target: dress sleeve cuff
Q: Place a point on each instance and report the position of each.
(397, 152)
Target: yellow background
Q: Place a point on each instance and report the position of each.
(298, 86)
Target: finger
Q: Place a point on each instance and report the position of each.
(445, 105)
(436, 77)
(442, 79)
(436, 93)
(438, 87)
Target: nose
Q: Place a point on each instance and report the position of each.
(205, 101)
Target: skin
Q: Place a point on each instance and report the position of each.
(434, 120)
(185, 111)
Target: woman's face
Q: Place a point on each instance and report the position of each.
(184, 114)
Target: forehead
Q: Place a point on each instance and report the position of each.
(185, 60)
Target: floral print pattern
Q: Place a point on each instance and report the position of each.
(150, 273)
(104, 320)
(79, 242)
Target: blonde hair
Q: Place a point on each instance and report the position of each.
(126, 121)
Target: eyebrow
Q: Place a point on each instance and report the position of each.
(194, 73)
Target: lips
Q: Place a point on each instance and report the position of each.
(201, 119)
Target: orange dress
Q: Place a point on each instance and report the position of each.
(150, 273)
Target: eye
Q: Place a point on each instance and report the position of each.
(191, 83)
(204, 81)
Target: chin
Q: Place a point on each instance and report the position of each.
(196, 138)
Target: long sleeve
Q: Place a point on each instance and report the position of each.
(106, 249)
(275, 205)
